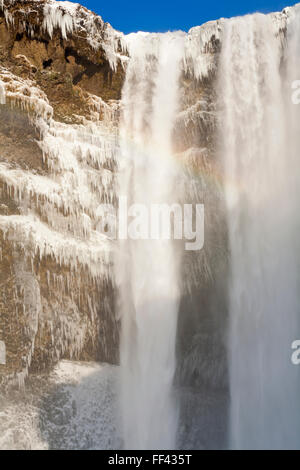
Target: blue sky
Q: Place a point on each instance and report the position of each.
(164, 15)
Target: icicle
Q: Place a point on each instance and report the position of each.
(59, 15)
(199, 54)
(24, 93)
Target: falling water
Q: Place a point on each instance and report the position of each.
(261, 193)
(148, 270)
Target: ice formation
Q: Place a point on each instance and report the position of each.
(68, 18)
(200, 57)
(58, 213)
(24, 94)
(60, 15)
(203, 43)
(67, 199)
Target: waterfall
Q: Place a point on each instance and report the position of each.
(258, 150)
(148, 270)
(204, 118)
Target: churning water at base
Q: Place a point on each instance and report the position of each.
(259, 143)
(148, 270)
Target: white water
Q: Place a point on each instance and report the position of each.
(148, 271)
(261, 191)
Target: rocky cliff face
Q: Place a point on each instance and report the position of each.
(61, 74)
